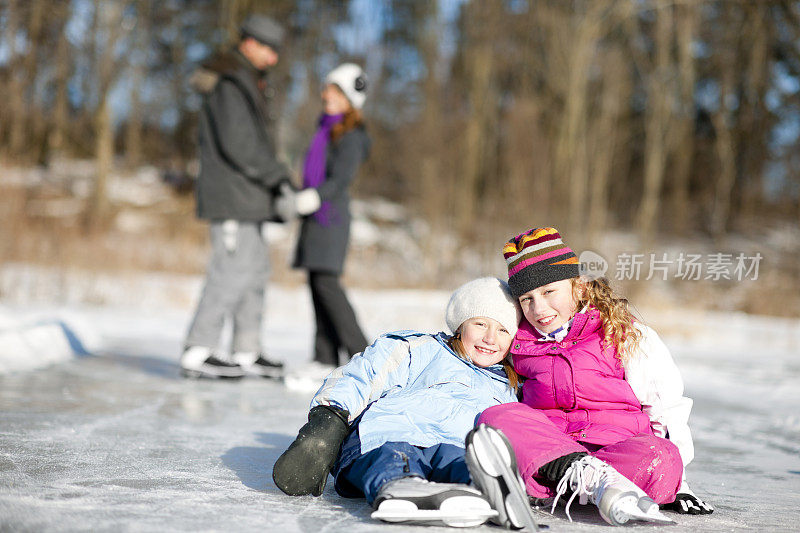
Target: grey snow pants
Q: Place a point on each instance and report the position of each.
(236, 280)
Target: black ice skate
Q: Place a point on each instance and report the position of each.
(200, 362)
(259, 365)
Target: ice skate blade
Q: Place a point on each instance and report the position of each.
(628, 510)
(199, 374)
(266, 374)
(454, 512)
(494, 471)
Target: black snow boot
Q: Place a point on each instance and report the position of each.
(304, 466)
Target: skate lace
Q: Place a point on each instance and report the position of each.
(582, 477)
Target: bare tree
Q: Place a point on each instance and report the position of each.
(607, 135)
(30, 120)
(658, 114)
(482, 23)
(57, 137)
(110, 30)
(722, 120)
(14, 114)
(596, 112)
(138, 71)
(687, 18)
(754, 122)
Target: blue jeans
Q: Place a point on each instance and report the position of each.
(367, 473)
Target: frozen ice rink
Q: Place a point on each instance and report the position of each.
(117, 441)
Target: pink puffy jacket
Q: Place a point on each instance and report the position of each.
(578, 384)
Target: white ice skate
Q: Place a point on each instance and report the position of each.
(618, 498)
(307, 378)
(419, 501)
(493, 467)
(201, 362)
(258, 364)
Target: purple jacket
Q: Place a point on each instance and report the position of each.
(578, 384)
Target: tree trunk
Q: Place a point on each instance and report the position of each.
(56, 138)
(605, 136)
(571, 165)
(657, 122)
(753, 124)
(109, 16)
(726, 154)
(15, 115)
(686, 28)
(104, 158)
(478, 57)
(32, 126)
(133, 131)
(429, 178)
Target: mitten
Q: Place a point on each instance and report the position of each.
(285, 203)
(307, 201)
(304, 466)
(688, 503)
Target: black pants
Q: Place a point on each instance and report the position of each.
(337, 327)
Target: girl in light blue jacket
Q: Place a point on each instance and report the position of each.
(391, 423)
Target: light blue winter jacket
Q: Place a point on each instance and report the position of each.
(411, 387)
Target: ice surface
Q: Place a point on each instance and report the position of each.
(118, 441)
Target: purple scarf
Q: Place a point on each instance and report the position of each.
(316, 161)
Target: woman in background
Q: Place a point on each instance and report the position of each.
(338, 148)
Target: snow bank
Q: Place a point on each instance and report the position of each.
(35, 342)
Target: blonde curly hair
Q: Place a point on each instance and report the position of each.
(618, 319)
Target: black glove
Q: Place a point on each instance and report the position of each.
(686, 503)
(304, 466)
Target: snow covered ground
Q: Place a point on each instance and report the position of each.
(116, 440)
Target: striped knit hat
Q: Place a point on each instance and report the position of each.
(538, 257)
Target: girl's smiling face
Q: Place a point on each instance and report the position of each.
(550, 306)
(485, 340)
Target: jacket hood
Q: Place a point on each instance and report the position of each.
(205, 78)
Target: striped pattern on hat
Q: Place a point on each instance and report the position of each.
(538, 257)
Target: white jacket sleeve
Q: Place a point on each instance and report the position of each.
(657, 383)
(382, 366)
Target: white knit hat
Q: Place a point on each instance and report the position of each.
(488, 297)
(350, 78)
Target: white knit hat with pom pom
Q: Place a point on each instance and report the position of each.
(487, 297)
(350, 78)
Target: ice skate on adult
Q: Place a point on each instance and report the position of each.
(308, 377)
(493, 467)
(201, 362)
(259, 365)
(618, 498)
(419, 501)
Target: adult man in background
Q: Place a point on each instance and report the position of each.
(238, 179)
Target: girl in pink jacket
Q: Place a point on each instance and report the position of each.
(603, 417)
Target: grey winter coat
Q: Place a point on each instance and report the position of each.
(239, 170)
(323, 248)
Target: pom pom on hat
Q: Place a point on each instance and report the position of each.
(350, 78)
(538, 257)
(487, 297)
